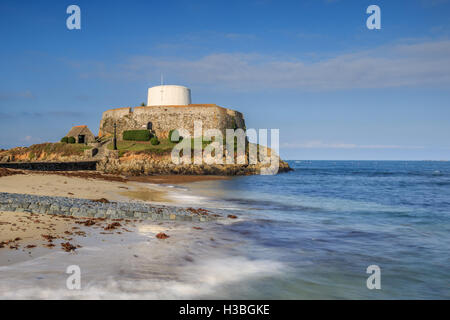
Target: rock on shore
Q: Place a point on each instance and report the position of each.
(139, 163)
(138, 167)
(12, 202)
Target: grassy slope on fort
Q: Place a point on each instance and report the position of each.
(164, 147)
(44, 152)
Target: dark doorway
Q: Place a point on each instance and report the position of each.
(149, 126)
(81, 138)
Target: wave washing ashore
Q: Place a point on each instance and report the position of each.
(318, 228)
(115, 243)
(310, 233)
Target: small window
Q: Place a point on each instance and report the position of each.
(149, 126)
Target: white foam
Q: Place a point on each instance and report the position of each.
(195, 280)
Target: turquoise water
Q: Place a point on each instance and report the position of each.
(327, 221)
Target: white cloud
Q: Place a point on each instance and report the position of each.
(31, 139)
(400, 65)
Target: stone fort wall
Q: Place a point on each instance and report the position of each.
(162, 119)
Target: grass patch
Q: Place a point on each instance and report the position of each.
(136, 146)
(165, 146)
(62, 149)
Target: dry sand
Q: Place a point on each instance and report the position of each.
(84, 188)
(93, 185)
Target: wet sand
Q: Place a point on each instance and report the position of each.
(132, 259)
(29, 227)
(25, 235)
(191, 262)
(176, 179)
(22, 235)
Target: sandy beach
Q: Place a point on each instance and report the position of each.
(90, 185)
(26, 235)
(84, 188)
(36, 248)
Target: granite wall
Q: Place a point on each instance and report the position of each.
(51, 166)
(162, 119)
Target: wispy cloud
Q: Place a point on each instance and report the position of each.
(399, 65)
(433, 3)
(317, 144)
(195, 40)
(48, 114)
(309, 35)
(31, 139)
(239, 36)
(8, 96)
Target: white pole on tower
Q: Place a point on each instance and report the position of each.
(162, 88)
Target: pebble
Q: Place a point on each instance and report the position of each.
(88, 208)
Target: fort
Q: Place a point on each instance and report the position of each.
(169, 107)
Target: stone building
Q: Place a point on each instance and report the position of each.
(176, 112)
(82, 134)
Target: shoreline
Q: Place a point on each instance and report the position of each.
(176, 179)
(54, 218)
(96, 195)
(34, 226)
(95, 185)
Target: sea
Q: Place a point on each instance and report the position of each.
(318, 232)
(322, 225)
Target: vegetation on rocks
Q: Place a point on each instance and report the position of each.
(154, 141)
(45, 152)
(154, 146)
(136, 135)
(124, 147)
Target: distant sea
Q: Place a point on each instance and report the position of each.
(306, 234)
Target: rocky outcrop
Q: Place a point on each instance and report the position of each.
(47, 152)
(133, 164)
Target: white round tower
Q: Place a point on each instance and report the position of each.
(169, 95)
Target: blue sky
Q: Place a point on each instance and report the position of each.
(335, 89)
